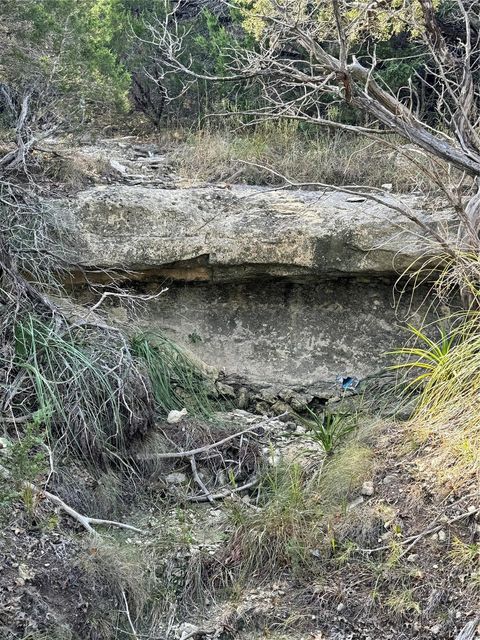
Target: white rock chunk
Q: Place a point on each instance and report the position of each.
(176, 478)
(367, 488)
(176, 416)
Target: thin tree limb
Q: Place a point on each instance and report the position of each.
(225, 494)
(208, 496)
(193, 452)
(85, 521)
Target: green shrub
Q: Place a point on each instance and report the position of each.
(66, 48)
(446, 374)
(94, 393)
(283, 532)
(330, 429)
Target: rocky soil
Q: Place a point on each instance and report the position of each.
(390, 575)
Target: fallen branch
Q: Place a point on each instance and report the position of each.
(225, 494)
(411, 541)
(433, 530)
(207, 495)
(469, 630)
(19, 420)
(85, 521)
(192, 452)
(129, 618)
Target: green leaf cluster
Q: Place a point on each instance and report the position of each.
(68, 49)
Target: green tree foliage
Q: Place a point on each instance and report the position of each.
(379, 21)
(209, 41)
(387, 34)
(66, 50)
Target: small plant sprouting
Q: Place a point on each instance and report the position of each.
(465, 554)
(402, 602)
(194, 337)
(26, 460)
(428, 356)
(329, 429)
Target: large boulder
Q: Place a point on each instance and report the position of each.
(236, 234)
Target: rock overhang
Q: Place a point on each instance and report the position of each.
(213, 234)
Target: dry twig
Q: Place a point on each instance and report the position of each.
(193, 452)
(411, 541)
(85, 521)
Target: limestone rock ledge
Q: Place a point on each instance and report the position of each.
(214, 234)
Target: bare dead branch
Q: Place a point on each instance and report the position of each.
(85, 521)
(296, 73)
(369, 193)
(199, 481)
(225, 494)
(193, 452)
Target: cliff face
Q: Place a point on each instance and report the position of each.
(278, 288)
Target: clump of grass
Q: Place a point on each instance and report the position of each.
(96, 391)
(294, 519)
(329, 429)
(282, 534)
(345, 472)
(177, 380)
(118, 567)
(427, 355)
(446, 374)
(92, 393)
(74, 172)
(123, 574)
(302, 156)
(465, 554)
(100, 493)
(402, 602)
(159, 580)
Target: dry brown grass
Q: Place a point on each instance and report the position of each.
(336, 159)
(445, 427)
(297, 505)
(75, 171)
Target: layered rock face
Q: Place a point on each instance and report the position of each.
(236, 234)
(281, 288)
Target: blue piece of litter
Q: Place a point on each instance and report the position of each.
(348, 382)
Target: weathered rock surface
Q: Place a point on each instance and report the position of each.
(235, 234)
(284, 334)
(276, 288)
